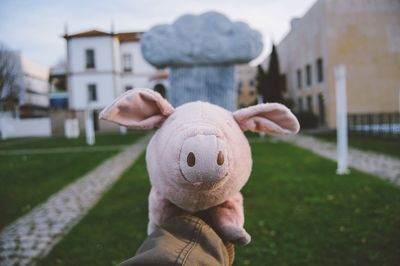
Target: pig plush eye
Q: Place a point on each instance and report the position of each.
(220, 158)
(191, 159)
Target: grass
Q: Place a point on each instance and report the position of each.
(27, 180)
(297, 211)
(104, 139)
(368, 143)
(114, 229)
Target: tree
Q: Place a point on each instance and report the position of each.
(271, 84)
(9, 79)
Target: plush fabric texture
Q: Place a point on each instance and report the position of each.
(199, 158)
(273, 118)
(138, 109)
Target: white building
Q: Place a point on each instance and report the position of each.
(31, 84)
(34, 99)
(28, 116)
(246, 85)
(101, 66)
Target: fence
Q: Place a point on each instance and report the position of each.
(381, 124)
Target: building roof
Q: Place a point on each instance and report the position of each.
(129, 36)
(122, 36)
(89, 33)
(160, 75)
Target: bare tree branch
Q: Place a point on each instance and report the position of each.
(9, 75)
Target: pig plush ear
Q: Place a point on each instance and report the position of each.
(272, 118)
(138, 109)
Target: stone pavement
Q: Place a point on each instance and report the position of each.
(33, 235)
(380, 165)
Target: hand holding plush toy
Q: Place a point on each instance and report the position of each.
(199, 158)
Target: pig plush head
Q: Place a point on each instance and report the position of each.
(199, 156)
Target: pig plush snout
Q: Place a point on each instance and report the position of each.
(204, 159)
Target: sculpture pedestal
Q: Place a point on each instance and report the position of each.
(210, 83)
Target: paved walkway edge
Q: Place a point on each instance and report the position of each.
(32, 236)
(380, 165)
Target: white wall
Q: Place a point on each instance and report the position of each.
(108, 73)
(116, 55)
(32, 81)
(102, 46)
(140, 66)
(141, 70)
(35, 76)
(78, 90)
(134, 81)
(105, 75)
(18, 128)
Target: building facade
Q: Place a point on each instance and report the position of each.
(34, 99)
(24, 101)
(100, 67)
(362, 34)
(246, 85)
(30, 85)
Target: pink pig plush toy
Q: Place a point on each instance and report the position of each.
(199, 159)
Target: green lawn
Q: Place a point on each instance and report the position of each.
(368, 143)
(103, 139)
(297, 211)
(27, 180)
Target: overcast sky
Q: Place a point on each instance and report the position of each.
(35, 26)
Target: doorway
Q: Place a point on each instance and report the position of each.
(321, 109)
(160, 89)
(96, 120)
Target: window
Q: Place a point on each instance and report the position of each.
(320, 70)
(309, 104)
(92, 92)
(252, 82)
(300, 104)
(127, 62)
(299, 81)
(128, 87)
(90, 63)
(308, 75)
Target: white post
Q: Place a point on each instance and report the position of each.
(89, 127)
(341, 120)
(122, 130)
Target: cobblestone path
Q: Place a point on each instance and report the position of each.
(33, 235)
(380, 165)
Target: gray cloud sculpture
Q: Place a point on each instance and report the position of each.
(207, 39)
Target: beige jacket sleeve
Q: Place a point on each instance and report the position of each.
(183, 240)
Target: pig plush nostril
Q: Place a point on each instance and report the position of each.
(220, 158)
(191, 159)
